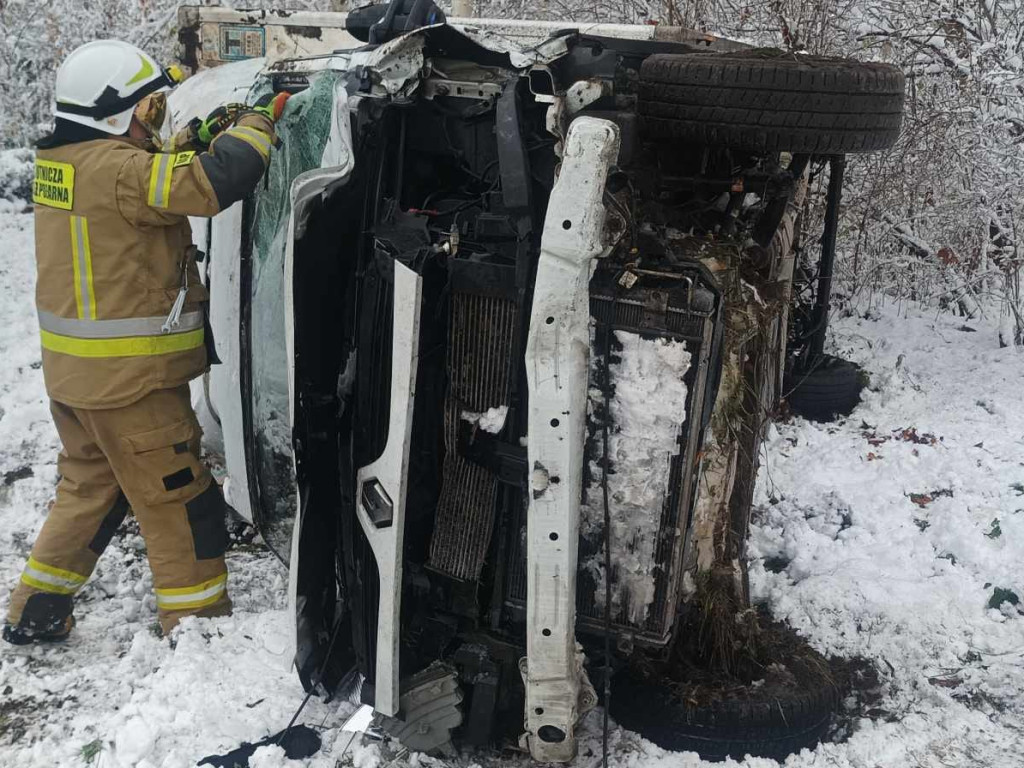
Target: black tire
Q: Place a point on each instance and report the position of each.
(829, 389)
(749, 721)
(771, 101)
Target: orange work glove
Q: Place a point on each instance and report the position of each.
(272, 105)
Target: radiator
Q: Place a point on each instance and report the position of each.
(675, 308)
(481, 337)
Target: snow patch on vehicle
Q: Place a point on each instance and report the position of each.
(647, 409)
(492, 420)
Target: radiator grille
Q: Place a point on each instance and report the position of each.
(373, 394)
(480, 342)
(371, 421)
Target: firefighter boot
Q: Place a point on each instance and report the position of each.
(45, 618)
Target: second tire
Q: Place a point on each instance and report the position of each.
(831, 387)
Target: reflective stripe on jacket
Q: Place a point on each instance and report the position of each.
(120, 304)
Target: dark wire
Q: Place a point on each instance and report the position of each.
(479, 200)
(313, 682)
(482, 178)
(606, 388)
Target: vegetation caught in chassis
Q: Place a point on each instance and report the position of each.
(538, 324)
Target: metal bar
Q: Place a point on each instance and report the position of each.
(245, 372)
(400, 158)
(826, 265)
(785, 187)
(557, 372)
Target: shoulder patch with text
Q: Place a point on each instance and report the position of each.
(183, 158)
(54, 184)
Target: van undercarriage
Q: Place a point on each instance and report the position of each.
(535, 307)
(424, 290)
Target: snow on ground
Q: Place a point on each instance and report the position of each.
(886, 536)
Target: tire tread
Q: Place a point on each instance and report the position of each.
(774, 727)
(771, 103)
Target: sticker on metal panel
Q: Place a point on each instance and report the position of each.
(183, 158)
(239, 42)
(54, 184)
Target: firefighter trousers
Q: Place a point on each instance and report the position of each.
(144, 456)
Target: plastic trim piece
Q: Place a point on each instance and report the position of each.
(391, 474)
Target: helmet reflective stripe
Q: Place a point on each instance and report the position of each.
(109, 103)
(144, 73)
(100, 83)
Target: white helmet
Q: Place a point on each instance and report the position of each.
(100, 83)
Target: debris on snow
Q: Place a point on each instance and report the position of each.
(924, 499)
(910, 589)
(13, 475)
(1001, 595)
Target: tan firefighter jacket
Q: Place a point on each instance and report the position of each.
(121, 308)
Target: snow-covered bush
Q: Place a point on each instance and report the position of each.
(16, 175)
(36, 36)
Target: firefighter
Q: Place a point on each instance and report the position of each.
(122, 318)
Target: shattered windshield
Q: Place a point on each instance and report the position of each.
(303, 132)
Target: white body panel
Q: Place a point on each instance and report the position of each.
(221, 34)
(557, 360)
(391, 470)
(221, 414)
(224, 384)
